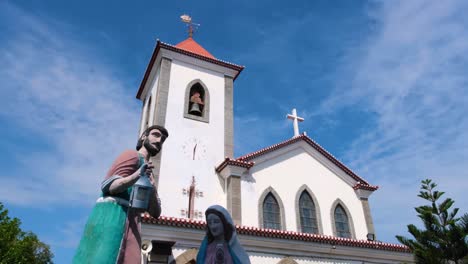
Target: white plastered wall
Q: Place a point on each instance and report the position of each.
(286, 170)
(259, 258)
(272, 259)
(177, 166)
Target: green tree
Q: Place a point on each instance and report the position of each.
(17, 246)
(444, 237)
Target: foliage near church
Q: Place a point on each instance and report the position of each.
(17, 246)
(444, 237)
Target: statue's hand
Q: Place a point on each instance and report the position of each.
(151, 180)
(143, 169)
(146, 169)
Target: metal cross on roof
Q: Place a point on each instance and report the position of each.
(296, 121)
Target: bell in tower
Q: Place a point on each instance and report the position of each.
(196, 100)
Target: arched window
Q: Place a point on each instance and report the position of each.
(307, 214)
(341, 222)
(197, 101)
(271, 213)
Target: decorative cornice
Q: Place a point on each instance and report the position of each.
(239, 163)
(365, 187)
(280, 234)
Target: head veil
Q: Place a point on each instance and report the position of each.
(239, 256)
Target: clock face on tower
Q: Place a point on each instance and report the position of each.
(194, 149)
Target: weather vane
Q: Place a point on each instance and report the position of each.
(191, 26)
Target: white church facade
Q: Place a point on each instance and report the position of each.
(292, 202)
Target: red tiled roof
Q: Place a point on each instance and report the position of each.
(163, 45)
(362, 183)
(365, 187)
(228, 161)
(271, 233)
(192, 46)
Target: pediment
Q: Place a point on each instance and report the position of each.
(300, 145)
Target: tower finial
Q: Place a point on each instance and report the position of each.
(191, 26)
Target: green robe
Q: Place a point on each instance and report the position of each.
(106, 230)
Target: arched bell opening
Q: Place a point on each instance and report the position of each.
(197, 100)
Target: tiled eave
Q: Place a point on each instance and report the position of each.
(280, 234)
(163, 45)
(365, 187)
(362, 183)
(228, 161)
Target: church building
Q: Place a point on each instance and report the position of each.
(292, 202)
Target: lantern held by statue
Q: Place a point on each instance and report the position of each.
(141, 193)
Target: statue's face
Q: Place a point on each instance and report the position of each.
(215, 225)
(153, 142)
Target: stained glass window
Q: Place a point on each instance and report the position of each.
(341, 222)
(271, 213)
(307, 214)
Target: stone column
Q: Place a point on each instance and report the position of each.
(234, 200)
(160, 110)
(228, 117)
(367, 215)
(231, 171)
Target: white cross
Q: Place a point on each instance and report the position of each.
(295, 119)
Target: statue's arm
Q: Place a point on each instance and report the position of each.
(155, 204)
(122, 173)
(122, 184)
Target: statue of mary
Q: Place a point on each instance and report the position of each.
(220, 245)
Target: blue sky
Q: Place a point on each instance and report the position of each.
(382, 86)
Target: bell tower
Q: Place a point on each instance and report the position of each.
(190, 92)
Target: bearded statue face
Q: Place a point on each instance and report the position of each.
(154, 141)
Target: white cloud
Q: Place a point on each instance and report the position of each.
(60, 92)
(411, 77)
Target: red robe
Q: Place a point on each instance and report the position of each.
(130, 251)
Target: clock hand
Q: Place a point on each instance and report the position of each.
(194, 150)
